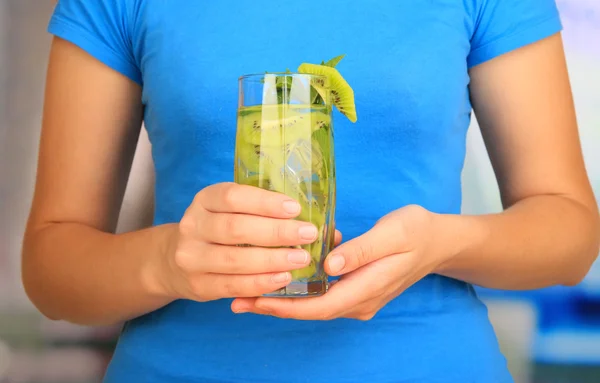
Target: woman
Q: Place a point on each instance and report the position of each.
(404, 309)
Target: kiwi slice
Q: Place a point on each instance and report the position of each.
(305, 272)
(341, 92)
(277, 125)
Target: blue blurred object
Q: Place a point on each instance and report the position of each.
(568, 321)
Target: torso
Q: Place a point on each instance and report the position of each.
(407, 63)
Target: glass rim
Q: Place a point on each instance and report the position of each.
(259, 76)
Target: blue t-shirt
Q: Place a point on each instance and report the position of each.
(408, 62)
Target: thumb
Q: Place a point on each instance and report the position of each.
(375, 244)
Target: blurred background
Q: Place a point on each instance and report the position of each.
(548, 336)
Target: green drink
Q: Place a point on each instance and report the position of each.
(284, 143)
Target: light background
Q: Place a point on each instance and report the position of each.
(548, 336)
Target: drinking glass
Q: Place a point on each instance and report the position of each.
(284, 143)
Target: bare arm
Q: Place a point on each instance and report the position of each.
(547, 235)
(76, 269)
(549, 231)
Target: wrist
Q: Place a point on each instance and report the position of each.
(157, 270)
(456, 236)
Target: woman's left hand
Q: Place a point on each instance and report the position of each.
(376, 267)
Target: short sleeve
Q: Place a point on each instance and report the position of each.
(100, 27)
(501, 26)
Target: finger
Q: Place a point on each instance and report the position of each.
(243, 305)
(246, 305)
(404, 273)
(337, 239)
(234, 229)
(369, 247)
(212, 258)
(342, 299)
(234, 286)
(235, 198)
(334, 304)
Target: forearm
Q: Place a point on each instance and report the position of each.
(540, 241)
(76, 273)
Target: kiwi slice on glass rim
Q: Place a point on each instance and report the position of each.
(342, 94)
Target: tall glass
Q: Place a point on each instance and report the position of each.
(284, 143)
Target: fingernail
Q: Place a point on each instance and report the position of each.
(298, 257)
(291, 207)
(308, 232)
(336, 262)
(240, 311)
(280, 278)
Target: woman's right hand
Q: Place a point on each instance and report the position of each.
(204, 263)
